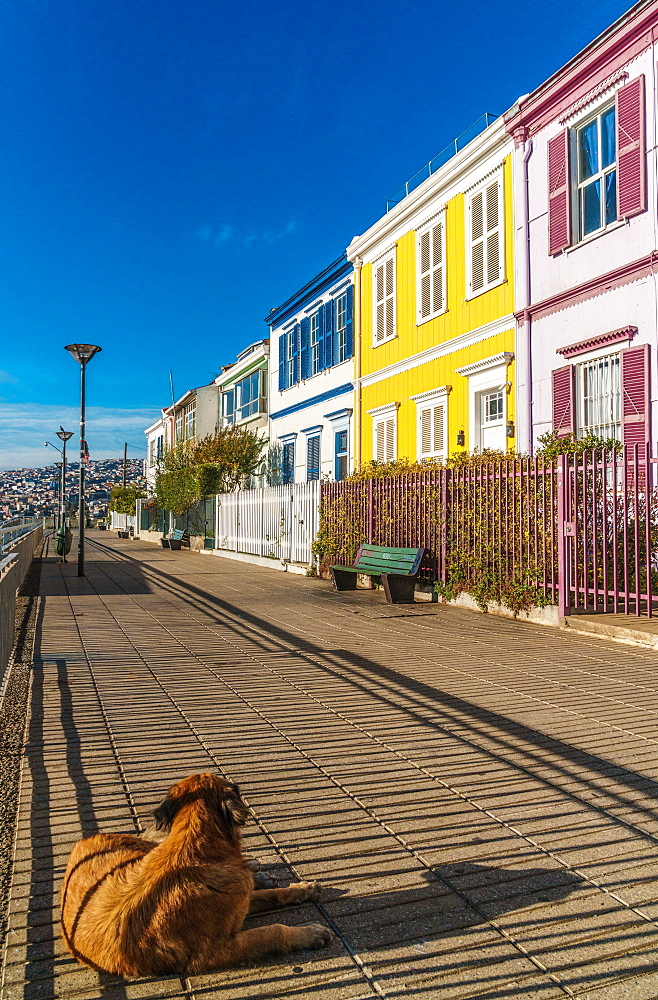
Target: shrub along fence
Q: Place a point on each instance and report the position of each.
(577, 531)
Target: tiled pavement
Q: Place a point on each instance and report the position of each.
(478, 796)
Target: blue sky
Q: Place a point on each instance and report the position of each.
(172, 169)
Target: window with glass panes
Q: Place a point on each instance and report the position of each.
(190, 420)
(596, 153)
(340, 471)
(248, 397)
(341, 328)
(314, 332)
(598, 397)
(228, 406)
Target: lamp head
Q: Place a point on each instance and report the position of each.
(64, 435)
(82, 352)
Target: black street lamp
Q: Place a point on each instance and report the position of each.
(63, 437)
(82, 353)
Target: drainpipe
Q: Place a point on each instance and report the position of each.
(526, 289)
(358, 264)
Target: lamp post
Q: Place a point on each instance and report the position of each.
(57, 464)
(83, 353)
(63, 437)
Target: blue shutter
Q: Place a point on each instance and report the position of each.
(321, 364)
(304, 348)
(294, 333)
(283, 382)
(349, 332)
(328, 334)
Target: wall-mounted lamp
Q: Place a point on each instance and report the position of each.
(509, 430)
(461, 438)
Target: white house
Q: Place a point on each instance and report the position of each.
(311, 378)
(585, 217)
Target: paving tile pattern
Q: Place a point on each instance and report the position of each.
(479, 797)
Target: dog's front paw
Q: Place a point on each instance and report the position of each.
(301, 892)
(313, 936)
(264, 881)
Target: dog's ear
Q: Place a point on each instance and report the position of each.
(164, 814)
(233, 810)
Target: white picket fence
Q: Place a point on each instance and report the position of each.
(122, 522)
(276, 522)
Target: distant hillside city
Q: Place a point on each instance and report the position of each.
(26, 492)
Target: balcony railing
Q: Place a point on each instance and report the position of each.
(446, 154)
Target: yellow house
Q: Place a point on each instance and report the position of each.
(434, 322)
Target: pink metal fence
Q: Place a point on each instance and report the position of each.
(608, 539)
(580, 532)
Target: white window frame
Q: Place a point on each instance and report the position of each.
(577, 185)
(314, 345)
(428, 231)
(487, 375)
(289, 361)
(481, 190)
(428, 402)
(579, 364)
(388, 326)
(385, 417)
(340, 349)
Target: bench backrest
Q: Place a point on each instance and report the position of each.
(383, 559)
(178, 534)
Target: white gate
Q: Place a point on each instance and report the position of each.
(277, 522)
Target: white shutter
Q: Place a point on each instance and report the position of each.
(384, 439)
(385, 300)
(493, 234)
(380, 447)
(380, 329)
(425, 275)
(486, 238)
(477, 244)
(432, 428)
(431, 291)
(390, 439)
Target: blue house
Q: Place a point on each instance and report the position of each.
(312, 377)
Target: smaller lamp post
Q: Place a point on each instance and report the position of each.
(47, 444)
(83, 353)
(63, 437)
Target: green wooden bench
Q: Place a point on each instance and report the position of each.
(177, 538)
(398, 569)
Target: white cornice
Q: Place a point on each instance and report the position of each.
(444, 184)
(440, 350)
(435, 213)
(422, 397)
(481, 181)
(380, 411)
(494, 361)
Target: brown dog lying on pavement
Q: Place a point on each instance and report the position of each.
(134, 907)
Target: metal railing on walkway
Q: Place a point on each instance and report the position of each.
(15, 559)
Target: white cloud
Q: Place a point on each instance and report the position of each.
(217, 237)
(7, 378)
(25, 427)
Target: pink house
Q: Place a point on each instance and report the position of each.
(585, 179)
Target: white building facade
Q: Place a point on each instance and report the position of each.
(585, 239)
(311, 378)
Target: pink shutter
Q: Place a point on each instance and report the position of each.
(559, 200)
(631, 150)
(563, 401)
(635, 395)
